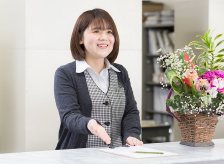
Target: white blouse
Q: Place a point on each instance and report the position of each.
(102, 79)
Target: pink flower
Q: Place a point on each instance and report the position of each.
(209, 75)
(219, 84)
(197, 85)
(191, 73)
(219, 73)
(220, 90)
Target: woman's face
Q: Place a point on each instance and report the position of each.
(98, 43)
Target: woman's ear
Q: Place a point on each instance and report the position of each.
(80, 42)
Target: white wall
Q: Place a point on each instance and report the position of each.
(45, 29)
(12, 76)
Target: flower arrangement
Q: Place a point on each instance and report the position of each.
(199, 84)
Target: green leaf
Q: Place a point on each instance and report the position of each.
(207, 35)
(193, 43)
(169, 102)
(206, 44)
(222, 50)
(219, 61)
(219, 55)
(210, 40)
(220, 42)
(205, 64)
(204, 55)
(202, 38)
(212, 46)
(177, 97)
(218, 36)
(175, 81)
(210, 51)
(181, 57)
(195, 100)
(197, 46)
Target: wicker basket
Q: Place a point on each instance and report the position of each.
(197, 130)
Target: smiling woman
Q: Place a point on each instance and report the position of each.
(93, 94)
(95, 21)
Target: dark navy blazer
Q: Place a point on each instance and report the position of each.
(74, 106)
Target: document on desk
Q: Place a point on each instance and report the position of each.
(138, 152)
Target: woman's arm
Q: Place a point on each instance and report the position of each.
(67, 103)
(69, 109)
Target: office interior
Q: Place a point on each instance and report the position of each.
(35, 41)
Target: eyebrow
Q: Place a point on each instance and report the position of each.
(98, 28)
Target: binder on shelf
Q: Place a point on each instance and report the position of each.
(171, 37)
(167, 13)
(152, 13)
(168, 47)
(160, 39)
(153, 47)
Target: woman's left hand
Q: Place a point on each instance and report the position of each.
(133, 141)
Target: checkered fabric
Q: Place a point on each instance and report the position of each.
(107, 108)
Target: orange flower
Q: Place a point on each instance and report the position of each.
(202, 82)
(191, 73)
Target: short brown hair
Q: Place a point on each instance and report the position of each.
(99, 18)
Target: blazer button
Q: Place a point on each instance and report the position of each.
(106, 103)
(107, 123)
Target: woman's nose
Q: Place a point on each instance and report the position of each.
(103, 36)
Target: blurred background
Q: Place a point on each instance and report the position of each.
(35, 41)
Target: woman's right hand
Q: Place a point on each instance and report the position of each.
(98, 130)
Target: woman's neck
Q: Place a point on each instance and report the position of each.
(97, 64)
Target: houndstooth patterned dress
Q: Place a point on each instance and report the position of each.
(107, 108)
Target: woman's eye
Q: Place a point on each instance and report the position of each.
(96, 31)
(110, 32)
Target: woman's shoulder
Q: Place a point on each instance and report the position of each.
(123, 74)
(69, 68)
(120, 67)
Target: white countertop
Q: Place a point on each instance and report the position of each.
(192, 155)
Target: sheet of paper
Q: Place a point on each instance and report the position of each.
(129, 152)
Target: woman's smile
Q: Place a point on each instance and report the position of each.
(102, 46)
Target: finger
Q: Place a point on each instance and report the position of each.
(141, 143)
(130, 141)
(135, 141)
(102, 134)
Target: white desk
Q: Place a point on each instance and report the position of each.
(190, 155)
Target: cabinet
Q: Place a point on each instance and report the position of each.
(159, 115)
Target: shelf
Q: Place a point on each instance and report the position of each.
(153, 55)
(155, 84)
(156, 112)
(157, 25)
(156, 126)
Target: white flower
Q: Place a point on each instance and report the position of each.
(213, 92)
(221, 84)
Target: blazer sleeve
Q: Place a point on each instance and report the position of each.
(67, 103)
(131, 122)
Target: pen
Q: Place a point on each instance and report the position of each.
(148, 152)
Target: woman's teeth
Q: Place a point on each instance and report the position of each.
(102, 45)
